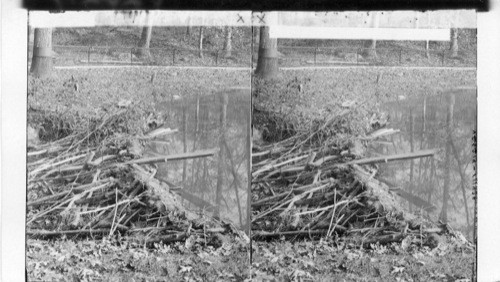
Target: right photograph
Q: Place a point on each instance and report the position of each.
(363, 146)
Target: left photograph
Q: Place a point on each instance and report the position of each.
(138, 133)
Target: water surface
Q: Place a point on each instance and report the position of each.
(439, 187)
(216, 185)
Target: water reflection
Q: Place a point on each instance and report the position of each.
(441, 186)
(215, 185)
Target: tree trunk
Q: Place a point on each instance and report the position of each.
(371, 49)
(143, 46)
(227, 42)
(427, 54)
(454, 42)
(255, 44)
(256, 35)
(267, 62)
(42, 63)
(144, 42)
(447, 162)
(189, 28)
(200, 43)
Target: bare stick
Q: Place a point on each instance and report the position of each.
(264, 234)
(194, 155)
(114, 216)
(46, 167)
(295, 190)
(35, 232)
(415, 155)
(108, 207)
(270, 166)
(107, 181)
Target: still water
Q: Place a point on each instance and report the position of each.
(216, 185)
(438, 187)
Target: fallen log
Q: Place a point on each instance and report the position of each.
(400, 157)
(178, 157)
(35, 232)
(416, 200)
(265, 234)
(380, 198)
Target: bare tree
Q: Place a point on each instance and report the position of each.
(427, 53)
(371, 45)
(371, 49)
(200, 42)
(145, 38)
(41, 62)
(417, 25)
(454, 34)
(188, 27)
(267, 62)
(227, 41)
(454, 42)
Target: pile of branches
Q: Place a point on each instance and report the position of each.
(316, 184)
(79, 189)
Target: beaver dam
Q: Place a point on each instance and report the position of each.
(180, 170)
(329, 179)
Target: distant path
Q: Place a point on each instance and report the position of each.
(153, 67)
(284, 68)
(380, 67)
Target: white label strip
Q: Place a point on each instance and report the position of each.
(301, 32)
(140, 18)
(382, 19)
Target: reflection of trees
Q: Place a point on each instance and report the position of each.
(422, 136)
(184, 142)
(447, 165)
(205, 123)
(236, 184)
(445, 122)
(222, 149)
(412, 149)
(462, 178)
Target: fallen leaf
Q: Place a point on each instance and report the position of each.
(397, 269)
(185, 269)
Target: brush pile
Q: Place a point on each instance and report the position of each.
(95, 183)
(317, 184)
